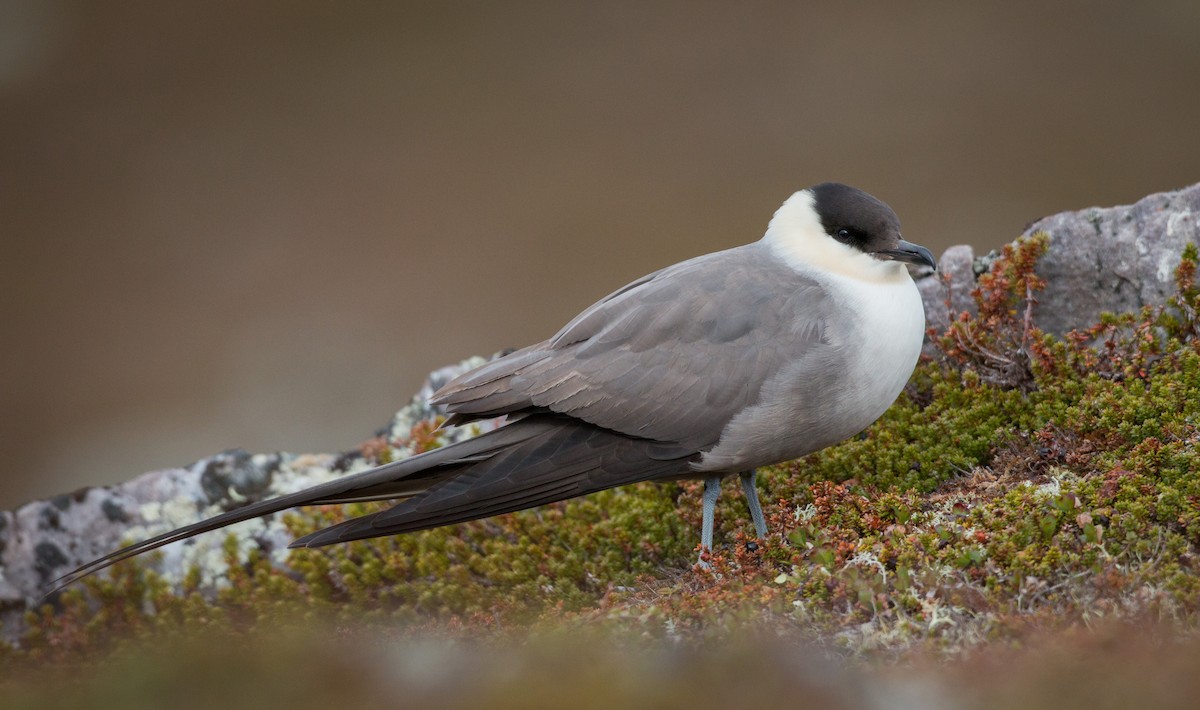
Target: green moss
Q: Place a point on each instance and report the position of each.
(1021, 480)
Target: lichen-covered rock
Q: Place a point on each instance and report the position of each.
(43, 540)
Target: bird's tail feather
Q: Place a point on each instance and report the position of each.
(567, 459)
(407, 477)
(526, 463)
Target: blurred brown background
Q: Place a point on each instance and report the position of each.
(260, 224)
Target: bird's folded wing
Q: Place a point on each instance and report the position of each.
(671, 357)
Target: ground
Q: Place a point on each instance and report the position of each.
(1030, 504)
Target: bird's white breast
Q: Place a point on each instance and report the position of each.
(891, 327)
(871, 347)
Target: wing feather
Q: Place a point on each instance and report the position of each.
(563, 459)
(671, 357)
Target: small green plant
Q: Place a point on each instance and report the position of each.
(1021, 481)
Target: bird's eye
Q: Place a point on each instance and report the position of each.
(844, 235)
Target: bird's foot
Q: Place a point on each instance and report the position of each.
(705, 562)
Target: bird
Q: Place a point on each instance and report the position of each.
(713, 367)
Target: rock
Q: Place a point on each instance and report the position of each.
(43, 540)
(948, 292)
(1116, 259)
(1112, 259)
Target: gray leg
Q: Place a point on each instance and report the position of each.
(751, 493)
(712, 491)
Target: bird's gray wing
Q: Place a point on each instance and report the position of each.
(671, 357)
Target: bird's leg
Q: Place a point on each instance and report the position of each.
(751, 493)
(712, 491)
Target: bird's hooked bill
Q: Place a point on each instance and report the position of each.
(909, 253)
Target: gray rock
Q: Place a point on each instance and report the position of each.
(1116, 259)
(43, 540)
(1112, 259)
(948, 292)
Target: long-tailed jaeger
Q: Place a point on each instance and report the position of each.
(714, 366)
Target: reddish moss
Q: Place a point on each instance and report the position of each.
(1021, 482)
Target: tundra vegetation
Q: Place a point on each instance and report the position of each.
(1030, 502)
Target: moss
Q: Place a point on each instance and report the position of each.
(1021, 482)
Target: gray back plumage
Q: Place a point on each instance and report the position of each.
(672, 357)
